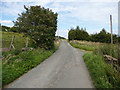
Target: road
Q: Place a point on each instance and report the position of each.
(64, 69)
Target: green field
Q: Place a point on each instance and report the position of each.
(88, 46)
(19, 41)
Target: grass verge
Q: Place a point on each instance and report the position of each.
(15, 63)
(102, 74)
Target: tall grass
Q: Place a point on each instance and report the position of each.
(103, 75)
(108, 49)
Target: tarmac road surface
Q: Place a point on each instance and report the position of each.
(64, 69)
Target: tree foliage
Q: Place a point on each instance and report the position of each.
(81, 34)
(77, 34)
(5, 28)
(103, 37)
(38, 23)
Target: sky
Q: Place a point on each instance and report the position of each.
(94, 15)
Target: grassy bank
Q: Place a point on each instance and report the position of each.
(15, 62)
(103, 75)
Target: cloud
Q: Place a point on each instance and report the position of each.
(12, 9)
(63, 33)
(5, 21)
(97, 12)
(39, 1)
(92, 14)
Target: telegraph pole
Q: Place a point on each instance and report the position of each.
(58, 34)
(111, 29)
(68, 34)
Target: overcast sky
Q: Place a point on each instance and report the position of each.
(91, 14)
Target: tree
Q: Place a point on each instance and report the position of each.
(102, 36)
(81, 34)
(38, 23)
(72, 35)
(78, 34)
(77, 28)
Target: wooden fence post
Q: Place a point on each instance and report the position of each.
(12, 43)
(27, 43)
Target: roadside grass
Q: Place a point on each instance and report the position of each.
(16, 62)
(13, 66)
(102, 74)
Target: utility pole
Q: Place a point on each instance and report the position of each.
(111, 29)
(68, 34)
(58, 34)
(119, 36)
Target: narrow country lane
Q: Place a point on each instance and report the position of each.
(64, 69)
